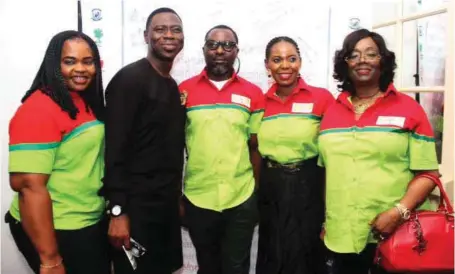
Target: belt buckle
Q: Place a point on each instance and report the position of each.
(294, 167)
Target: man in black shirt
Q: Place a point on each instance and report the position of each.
(144, 152)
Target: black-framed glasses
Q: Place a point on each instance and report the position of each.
(356, 56)
(226, 45)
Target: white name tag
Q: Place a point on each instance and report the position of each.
(390, 121)
(239, 99)
(302, 107)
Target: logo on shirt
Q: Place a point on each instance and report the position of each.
(302, 107)
(183, 97)
(242, 100)
(390, 121)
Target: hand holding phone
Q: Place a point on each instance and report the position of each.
(136, 251)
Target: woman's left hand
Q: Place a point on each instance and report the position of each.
(385, 223)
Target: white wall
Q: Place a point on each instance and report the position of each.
(343, 15)
(23, 46)
(25, 30)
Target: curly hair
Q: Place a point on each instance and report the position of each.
(387, 61)
(49, 79)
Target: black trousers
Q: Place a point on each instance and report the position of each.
(291, 212)
(84, 251)
(157, 229)
(351, 263)
(222, 239)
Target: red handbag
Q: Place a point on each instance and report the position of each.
(424, 243)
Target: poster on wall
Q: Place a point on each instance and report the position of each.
(93, 24)
(101, 20)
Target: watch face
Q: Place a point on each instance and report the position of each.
(116, 210)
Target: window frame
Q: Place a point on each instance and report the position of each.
(447, 159)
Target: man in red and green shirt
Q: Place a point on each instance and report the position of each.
(223, 116)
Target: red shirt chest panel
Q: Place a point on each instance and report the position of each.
(388, 111)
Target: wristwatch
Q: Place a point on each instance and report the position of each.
(115, 211)
(404, 211)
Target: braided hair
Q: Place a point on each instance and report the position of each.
(278, 39)
(49, 79)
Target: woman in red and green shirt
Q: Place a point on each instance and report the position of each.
(291, 205)
(374, 143)
(56, 148)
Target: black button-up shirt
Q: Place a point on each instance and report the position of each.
(144, 137)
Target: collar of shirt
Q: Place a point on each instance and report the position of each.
(203, 76)
(343, 98)
(301, 85)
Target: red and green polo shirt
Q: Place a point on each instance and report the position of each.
(219, 174)
(290, 128)
(45, 140)
(369, 163)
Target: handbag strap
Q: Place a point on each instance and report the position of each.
(444, 201)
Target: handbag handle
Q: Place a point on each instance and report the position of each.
(444, 201)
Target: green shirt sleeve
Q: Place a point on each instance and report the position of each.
(34, 138)
(257, 112)
(422, 148)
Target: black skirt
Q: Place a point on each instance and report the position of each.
(291, 210)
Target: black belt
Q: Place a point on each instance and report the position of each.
(290, 166)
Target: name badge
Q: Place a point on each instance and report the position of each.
(302, 107)
(390, 121)
(239, 99)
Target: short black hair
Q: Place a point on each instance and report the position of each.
(278, 39)
(158, 11)
(387, 62)
(49, 79)
(222, 27)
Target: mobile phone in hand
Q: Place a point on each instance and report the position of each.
(136, 251)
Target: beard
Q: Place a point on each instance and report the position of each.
(220, 69)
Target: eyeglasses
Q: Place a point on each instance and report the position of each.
(226, 45)
(356, 57)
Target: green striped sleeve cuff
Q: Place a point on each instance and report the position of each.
(31, 160)
(422, 153)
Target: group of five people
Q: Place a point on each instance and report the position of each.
(324, 177)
